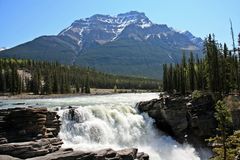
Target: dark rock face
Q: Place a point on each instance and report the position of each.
(125, 154)
(26, 124)
(182, 116)
(170, 117)
(201, 120)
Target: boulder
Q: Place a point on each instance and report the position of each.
(182, 117)
(106, 153)
(31, 148)
(26, 124)
(142, 156)
(170, 117)
(127, 154)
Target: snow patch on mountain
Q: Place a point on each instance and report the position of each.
(2, 48)
(104, 28)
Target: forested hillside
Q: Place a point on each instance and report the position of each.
(19, 76)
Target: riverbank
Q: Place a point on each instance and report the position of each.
(94, 91)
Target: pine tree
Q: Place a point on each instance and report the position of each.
(4, 83)
(184, 61)
(170, 79)
(56, 87)
(224, 119)
(183, 74)
(36, 82)
(87, 85)
(14, 80)
(178, 70)
(1, 78)
(47, 89)
(175, 78)
(77, 87)
(191, 72)
(165, 78)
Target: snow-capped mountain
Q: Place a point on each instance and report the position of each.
(104, 28)
(127, 44)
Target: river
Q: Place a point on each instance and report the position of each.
(110, 121)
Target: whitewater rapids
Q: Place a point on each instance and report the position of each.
(117, 124)
(110, 121)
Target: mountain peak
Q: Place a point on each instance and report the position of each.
(187, 33)
(132, 14)
(96, 16)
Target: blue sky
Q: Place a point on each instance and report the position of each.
(24, 20)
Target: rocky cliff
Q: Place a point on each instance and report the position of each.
(26, 124)
(182, 117)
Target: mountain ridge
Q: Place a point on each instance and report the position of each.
(128, 38)
(115, 25)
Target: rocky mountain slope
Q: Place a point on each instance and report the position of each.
(128, 44)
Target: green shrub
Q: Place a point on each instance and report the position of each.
(196, 94)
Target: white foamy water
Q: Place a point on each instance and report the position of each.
(111, 121)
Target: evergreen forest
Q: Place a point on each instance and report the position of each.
(26, 76)
(218, 71)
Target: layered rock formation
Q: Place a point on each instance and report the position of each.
(108, 154)
(182, 117)
(66, 154)
(31, 148)
(29, 132)
(26, 124)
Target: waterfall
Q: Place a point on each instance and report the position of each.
(119, 125)
(111, 121)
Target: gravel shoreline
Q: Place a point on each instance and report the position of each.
(94, 91)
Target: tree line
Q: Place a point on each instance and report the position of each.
(18, 76)
(217, 71)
